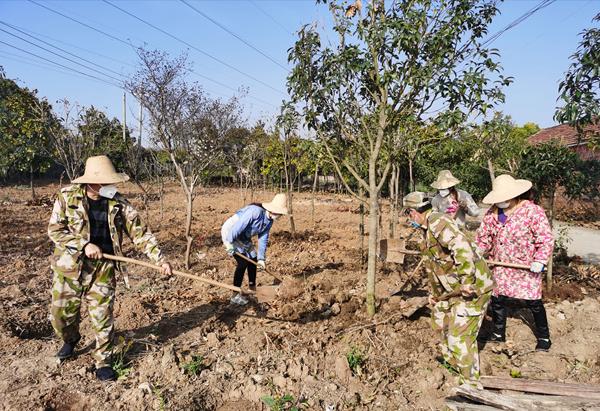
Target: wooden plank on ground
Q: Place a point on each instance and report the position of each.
(541, 387)
(527, 402)
(460, 404)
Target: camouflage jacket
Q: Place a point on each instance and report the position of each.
(69, 229)
(452, 259)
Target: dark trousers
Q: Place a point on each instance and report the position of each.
(498, 308)
(242, 266)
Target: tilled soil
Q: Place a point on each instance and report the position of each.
(185, 347)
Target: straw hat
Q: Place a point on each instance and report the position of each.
(100, 170)
(416, 200)
(445, 179)
(278, 205)
(506, 187)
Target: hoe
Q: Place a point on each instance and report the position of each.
(263, 294)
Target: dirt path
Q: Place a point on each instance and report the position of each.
(584, 242)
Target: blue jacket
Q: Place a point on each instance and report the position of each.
(243, 225)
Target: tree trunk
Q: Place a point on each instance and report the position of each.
(491, 170)
(31, 182)
(188, 230)
(394, 194)
(372, 260)
(161, 194)
(391, 187)
(242, 190)
(312, 198)
(361, 228)
(411, 180)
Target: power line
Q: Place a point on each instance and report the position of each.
(61, 49)
(495, 36)
(32, 62)
(263, 11)
(80, 22)
(61, 65)
(517, 21)
(193, 47)
(130, 45)
(74, 46)
(58, 55)
(222, 27)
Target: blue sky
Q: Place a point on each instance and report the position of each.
(536, 53)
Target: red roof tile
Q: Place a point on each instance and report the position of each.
(565, 134)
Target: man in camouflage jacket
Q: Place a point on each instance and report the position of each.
(79, 216)
(461, 286)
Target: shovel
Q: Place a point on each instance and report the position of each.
(490, 262)
(286, 289)
(263, 294)
(251, 261)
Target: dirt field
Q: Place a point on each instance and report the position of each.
(296, 347)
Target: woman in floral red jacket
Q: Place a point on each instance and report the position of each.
(515, 230)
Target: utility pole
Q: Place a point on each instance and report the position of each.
(124, 118)
(141, 123)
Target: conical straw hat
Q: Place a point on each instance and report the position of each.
(278, 205)
(100, 170)
(445, 179)
(505, 187)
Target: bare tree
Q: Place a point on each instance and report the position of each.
(70, 144)
(185, 122)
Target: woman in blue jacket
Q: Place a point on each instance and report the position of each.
(253, 220)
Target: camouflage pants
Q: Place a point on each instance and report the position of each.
(96, 283)
(458, 322)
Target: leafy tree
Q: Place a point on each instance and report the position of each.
(24, 124)
(552, 165)
(579, 92)
(400, 62)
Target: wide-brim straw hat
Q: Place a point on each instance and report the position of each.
(100, 170)
(445, 179)
(505, 187)
(416, 200)
(278, 205)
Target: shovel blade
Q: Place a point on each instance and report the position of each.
(391, 250)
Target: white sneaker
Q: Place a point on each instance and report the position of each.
(238, 300)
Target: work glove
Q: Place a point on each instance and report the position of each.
(536, 267)
(261, 265)
(229, 248)
(452, 208)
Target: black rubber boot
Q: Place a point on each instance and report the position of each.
(498, 308)
(541, 324)
(106, 374)
(67, 350)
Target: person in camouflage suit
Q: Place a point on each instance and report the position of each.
(83, 226)
(461, 286)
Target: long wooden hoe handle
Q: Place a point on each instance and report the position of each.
(491, 262)
(251, 261)
(179, 273)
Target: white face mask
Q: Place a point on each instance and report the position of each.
(503, 204)
(272, 216)
(108, 191)
(444, 192)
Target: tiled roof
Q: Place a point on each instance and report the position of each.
(565, 134)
